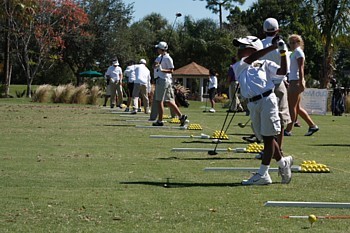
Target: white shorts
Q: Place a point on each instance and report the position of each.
(264, 116)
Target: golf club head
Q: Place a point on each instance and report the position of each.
(212, 152)
(241, 125)
(178, 14)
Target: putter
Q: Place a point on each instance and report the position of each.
(213, 152)
(243, 125)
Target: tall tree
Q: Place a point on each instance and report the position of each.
(216, 6)
(333, 19)
(39, 30)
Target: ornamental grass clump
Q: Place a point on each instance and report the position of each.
(42, 93)
(94, 94)
(63, 93)
(79, 95)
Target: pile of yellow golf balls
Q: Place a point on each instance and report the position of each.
(219, 135)
(311, 166)
(194, 127)
(254, 148)
(166, 116)
(175, 121)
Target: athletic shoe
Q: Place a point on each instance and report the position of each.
(258, 179)
(127, 110)
(158, 123)
(112, 105)
(183, 119)
(212, 110)
(251, 139)
(133, 112)
(287, 133)
(120, 106)
(230, 110)
(139, 110)
(286, 171)
(312, 130)
(104, 105)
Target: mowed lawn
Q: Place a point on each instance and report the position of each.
(81, 168)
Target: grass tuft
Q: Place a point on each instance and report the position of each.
(79, 95)
(94, 94)
(42, 93)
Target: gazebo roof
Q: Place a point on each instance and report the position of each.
(192, 69)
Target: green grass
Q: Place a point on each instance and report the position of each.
(76, 168)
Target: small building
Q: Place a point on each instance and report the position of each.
(190, 74)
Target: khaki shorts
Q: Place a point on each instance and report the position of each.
(264, 116)
(294, 87)
(164, 91)
(282, 97)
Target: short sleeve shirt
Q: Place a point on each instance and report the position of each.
(114, 72)
(166, 62)
(256, 78)
(294, 67)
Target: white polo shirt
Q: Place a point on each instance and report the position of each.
(165, 63)
(294, 67)
(256, 78)
(114, 72)
(143, 75)
(213, 82)
(129, 72)
(274, 56)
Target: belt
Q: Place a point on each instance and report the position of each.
(258, 97)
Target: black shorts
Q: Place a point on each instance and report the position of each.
(212, 93)
(130, 89)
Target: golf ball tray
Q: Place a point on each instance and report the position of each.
(254, 148)
(219, 135)
(313, 167)
(194, 127)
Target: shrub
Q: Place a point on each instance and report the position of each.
(42, 93)
(94, 94)
(79, 95)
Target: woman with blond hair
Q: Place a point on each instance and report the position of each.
(297, 86)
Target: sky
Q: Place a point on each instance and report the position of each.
(168, 9)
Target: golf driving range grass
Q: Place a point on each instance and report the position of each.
(74, 168)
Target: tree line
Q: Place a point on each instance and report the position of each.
(52, 41)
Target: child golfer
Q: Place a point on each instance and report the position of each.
(255, 78)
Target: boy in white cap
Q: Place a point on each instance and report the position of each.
(164, 67)
(142, 85)
(254, 77)
(115, 75)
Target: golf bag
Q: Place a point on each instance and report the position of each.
(181, 95)
(338, 102)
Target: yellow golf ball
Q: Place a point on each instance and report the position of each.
(312, 218)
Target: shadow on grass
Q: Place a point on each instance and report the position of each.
(206, 158)
(333, 144)
(180, 185)
(120, 125)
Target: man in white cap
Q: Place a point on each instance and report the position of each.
(142, 85)
(254, 77)
(164, 67)
(271, 29)
(115, 75)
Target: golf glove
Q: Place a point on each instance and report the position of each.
(282, 46)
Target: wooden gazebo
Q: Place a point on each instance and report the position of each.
(192, 71)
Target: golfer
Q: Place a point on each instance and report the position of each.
(255, 78)
(142, 87)
(115, 75)
(164, 67)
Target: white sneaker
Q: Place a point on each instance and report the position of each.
(286, 171)
(258, 179)
(212, 110)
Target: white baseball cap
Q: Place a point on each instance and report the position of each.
(115, 63)
(248, 42)
(162, 45)
(143, 61)
(270, 25)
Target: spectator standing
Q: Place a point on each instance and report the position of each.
(142, 86)
(213, 86)
(297, 86)
(115, 75)
(129, 74)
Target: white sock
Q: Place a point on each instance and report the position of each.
(281, 163)
(263, 169)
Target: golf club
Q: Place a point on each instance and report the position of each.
(178, 14)
(243, 125)
(213, 152)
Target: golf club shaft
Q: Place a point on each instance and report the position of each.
(321, 217)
